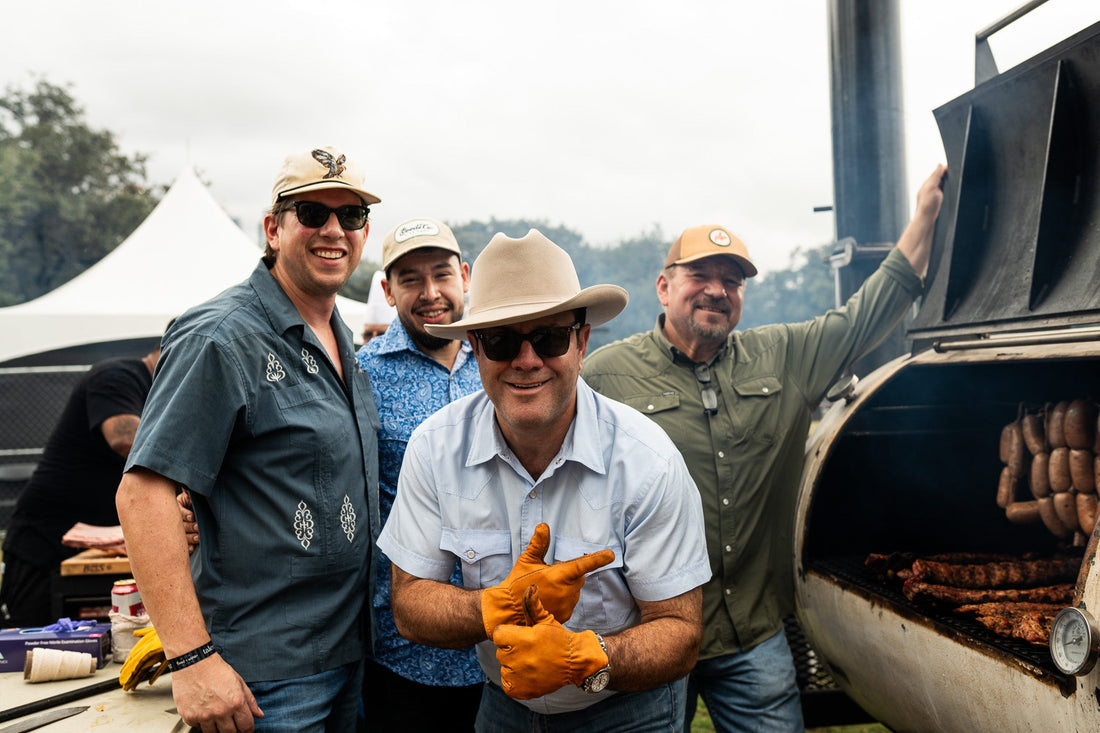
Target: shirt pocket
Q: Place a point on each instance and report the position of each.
(295, 394)
(283, 406)
(486, 554)
(758, 406)
(650, 404)
(605, 601)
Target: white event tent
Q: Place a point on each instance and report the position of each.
(186, 251)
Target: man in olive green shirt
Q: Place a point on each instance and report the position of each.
(738, 406)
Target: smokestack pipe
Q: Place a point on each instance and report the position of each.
(869, 181)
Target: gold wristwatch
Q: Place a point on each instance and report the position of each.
(598, 680)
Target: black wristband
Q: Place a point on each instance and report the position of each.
(175, 664)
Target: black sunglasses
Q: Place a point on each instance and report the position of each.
(504, 345)
(314, 215)
(710, 398)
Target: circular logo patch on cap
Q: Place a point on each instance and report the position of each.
(719, 237)
(415, 228)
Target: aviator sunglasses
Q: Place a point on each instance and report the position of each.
(706, 389)
(314, 215)
(504, 345)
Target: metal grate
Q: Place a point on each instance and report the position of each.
(852, 570)
(31, 401)
(810, 673)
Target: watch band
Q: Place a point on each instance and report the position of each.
(175, 664)
(598, 680)
(604, 647)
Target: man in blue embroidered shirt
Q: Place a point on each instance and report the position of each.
(259, 411)
(593, 485)
(413, 374)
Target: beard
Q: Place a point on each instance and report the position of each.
(708, 332)
(711, 331)
(424, 340)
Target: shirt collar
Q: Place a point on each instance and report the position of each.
(284, 315)
(397, 340)
(679, 357)
(276, 303)
(583, 441)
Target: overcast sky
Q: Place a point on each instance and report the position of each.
(606, 117)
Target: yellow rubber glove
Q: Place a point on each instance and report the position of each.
(145, 654)
(544, 656)
(559, 584)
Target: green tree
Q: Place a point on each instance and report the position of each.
(632, 264)
(800, 292)
(474, 235)
(358, 285)
(68, 196)
(803, 291)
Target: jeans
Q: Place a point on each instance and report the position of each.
(659, 710)
(327, 702)
(393, 703)
(753, 691)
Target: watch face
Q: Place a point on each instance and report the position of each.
(1071, 642)
(598, 681)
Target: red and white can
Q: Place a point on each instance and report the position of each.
(125, 598)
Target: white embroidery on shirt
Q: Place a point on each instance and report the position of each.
(310, 362)
(347, 518)
(275, 371)
(303, 524)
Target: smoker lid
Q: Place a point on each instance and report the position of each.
(1017, 243)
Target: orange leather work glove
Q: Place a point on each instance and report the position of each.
(559, 584)
(544, 656)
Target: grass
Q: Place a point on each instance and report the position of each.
(701, 724)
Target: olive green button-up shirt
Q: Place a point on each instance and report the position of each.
(747, 458)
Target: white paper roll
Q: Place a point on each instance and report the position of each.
(44, 664)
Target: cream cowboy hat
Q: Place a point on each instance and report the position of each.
(522, 279)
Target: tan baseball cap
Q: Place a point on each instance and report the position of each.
(317, 169)
(417, 234)
(708, 240)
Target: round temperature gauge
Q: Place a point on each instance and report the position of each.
(1074, 641)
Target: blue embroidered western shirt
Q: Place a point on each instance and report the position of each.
(409, 386)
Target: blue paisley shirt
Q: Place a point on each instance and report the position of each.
(409, 386)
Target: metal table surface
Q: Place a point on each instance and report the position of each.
(148, 708)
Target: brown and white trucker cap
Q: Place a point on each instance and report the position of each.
(709, 240)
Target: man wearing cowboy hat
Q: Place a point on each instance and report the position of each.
(259, 411)
(587, 485)
(413, 374)
(738, 405)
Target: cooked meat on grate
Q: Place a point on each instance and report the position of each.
(1020, 573)
(1027, 621)
(899, 565)
(931, 594)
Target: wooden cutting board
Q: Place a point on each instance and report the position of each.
(95, 562)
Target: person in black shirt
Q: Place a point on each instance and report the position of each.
(75, 481)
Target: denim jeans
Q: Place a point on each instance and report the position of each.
(753, 691)
(320, 703)
(394, 703)
(660, 710)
